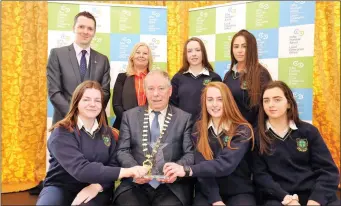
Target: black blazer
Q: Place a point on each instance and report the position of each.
(179, 147)
(124, 96)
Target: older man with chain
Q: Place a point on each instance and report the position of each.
(157, 132)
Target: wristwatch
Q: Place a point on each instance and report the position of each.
(187, 170)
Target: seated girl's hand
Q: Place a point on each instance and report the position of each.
(87, 194)
(134, 172)
(312, 203)
(294, 202)
(218, 203)
(142, 171)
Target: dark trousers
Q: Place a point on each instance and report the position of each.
(145, 195)
(53, 195)
(239, 199)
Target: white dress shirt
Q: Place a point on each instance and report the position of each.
(204, 71)
(78, 50)
(161, 117)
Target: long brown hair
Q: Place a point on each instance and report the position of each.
(231, 116)
(205, 62)
(265, 140)
(253, 75)
(70, 120)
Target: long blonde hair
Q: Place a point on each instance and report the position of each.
(130, 67)
(231, 116)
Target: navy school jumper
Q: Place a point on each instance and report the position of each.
(299, 164)
(229, 172)
(77, 159)
(187, 91)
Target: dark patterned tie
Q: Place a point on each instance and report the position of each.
(82, 65)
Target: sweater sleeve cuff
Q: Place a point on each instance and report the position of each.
(318, 197)
(212, 198)
(281, 194)
(195, 170)
(107, 186)
(110, 174)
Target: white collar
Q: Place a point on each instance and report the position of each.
(80, 124)
(204, 71)
(79, 49)
(216, 131)
(163, 112)
(234, 68)
(292, 125)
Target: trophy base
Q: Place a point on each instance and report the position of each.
(156, 177)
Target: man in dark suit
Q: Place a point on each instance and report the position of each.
(68, 66)
(162, 126)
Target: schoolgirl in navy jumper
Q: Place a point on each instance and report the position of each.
(292, 164)
(82, 148)
(194, 74)
(224, 140)
(246, 76)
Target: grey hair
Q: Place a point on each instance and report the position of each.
(162, 73)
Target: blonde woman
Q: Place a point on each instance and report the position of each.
(128, 89)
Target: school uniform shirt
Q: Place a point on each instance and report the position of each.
(187, 90)
(240, 93)
(299, 162)
(82, 157)
(228, 173)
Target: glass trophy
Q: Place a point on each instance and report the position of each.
(157, 163)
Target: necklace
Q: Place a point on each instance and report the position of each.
(148, 163)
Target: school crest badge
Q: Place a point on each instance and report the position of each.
(106, 140)
(244, 85)
(225, 140)
(206, 81)
(302, 144)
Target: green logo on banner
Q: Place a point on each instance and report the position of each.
(101, 43)
(160, 65)
(223, 44)
(296, 72)
(61, 16)
(262, 15)
(202, 22)
(125, 20)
